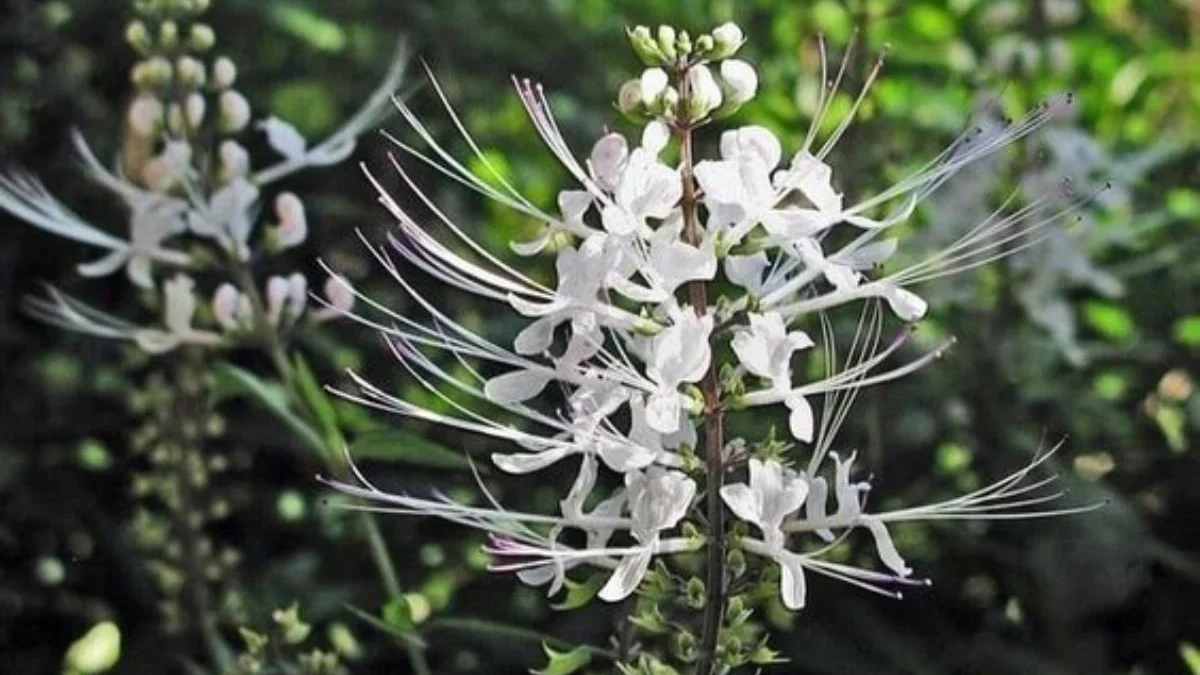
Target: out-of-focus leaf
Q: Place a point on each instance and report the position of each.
(318, 31)
(405, 447)
(1186, 331)
(580, 593)
(1109, 320)
(385, 627)
(1190, 656)
(318, 401)
(231, 381)
(310, 106)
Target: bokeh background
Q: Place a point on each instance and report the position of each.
(1093, 337)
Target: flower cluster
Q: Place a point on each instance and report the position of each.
(193, 196)
(629, 337)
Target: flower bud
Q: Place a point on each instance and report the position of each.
(666, 42)
(727, 39)
(669, 101)
(653, 83)
(234, 112)
(235, 161)
(193, 110)
(339, 294)
(704, 95)
(683, 44)
(153, 73)
(225, 306)
(645, 47)
(293, 224)
(224, 72)
(168, 35)
(138, 36)
(190, 72)
(297, 294)
(704, 45)
(175, 119)
(145, 115)
(277, 295)
(629, 99)
(201, 37)
(738, 83)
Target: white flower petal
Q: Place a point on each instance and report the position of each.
(628, 575)
(283, 138)
(527, 462)
(514, 387)
(792, 587)
(800, 419)
(886, 547)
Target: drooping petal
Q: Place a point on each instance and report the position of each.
(800, 418)
(886, 548)
(793, 589)
(628, 575)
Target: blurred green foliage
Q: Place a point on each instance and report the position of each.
(1095, 337)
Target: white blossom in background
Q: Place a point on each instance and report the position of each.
(188, 199)
(616, 366)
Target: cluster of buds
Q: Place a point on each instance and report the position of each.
(679, 69)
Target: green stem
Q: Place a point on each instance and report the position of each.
(274, 347)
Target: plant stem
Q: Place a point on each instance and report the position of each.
(380, 555)
(714, 432)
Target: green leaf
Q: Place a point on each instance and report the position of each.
(405, 447)
(1109, 320)
(1187, 331)
(309, 105)
(565, 663)
(580, 593)
(1190, 656)
(318, 401)
(231, 381)
(309, 26)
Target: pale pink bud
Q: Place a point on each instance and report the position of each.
(277, 294)
(145, 115)
(225, 306)
(293, 224)
(297, 294)
(235, 161)
(339, 295)
(194, 110)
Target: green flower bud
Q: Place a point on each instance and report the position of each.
(694, 594)
(190, 72)
(138, 36)
(736, 563)
(666, 42)
(684, 646)
(727, 39)
(168, 35)
(96, 652)
(683, 44)
(704, 45)
(201, 37)
(294, 630)
(153, 73)
(629, 100)
(645, 47)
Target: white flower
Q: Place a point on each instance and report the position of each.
(339, 299)
(149, 226)
(646, 189)
(773, 494)
(679, 354)
(658, 500)
(179, 304)
(766, 348)
(727, 39)
(193, 110)
(227, 217)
